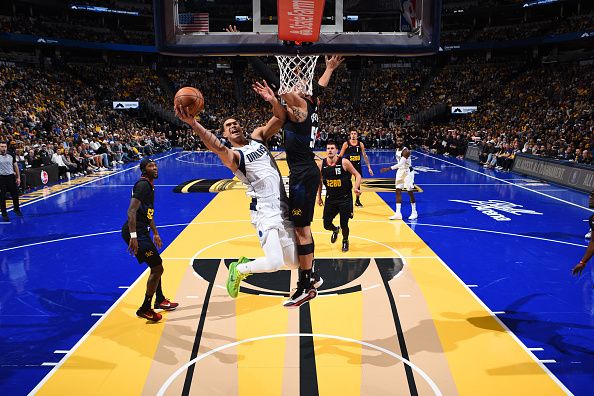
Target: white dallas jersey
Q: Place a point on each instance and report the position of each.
(258, 171)
(399, 156)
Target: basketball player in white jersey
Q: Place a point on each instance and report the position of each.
(405, 179)
(250, 160)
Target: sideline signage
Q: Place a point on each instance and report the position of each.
(580, 177)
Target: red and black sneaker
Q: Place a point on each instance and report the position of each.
(148, 314)
(166, 305)
(301, 296)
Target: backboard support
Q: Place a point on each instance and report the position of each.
(349, 27)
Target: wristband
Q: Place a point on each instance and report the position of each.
(133, 235)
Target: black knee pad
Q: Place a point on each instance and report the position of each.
(304, 250)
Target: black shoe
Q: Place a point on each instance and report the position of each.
(18, 212)
(302, 295)
(334, 236)
(5, 218)
(345, 245)
(358, 204)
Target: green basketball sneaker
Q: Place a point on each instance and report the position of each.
(235, 277)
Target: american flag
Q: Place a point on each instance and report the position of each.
(193, 22)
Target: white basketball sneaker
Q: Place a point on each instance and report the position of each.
(588, 235)
(396, 216)
(414, 215)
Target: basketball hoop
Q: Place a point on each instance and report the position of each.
(296, 73)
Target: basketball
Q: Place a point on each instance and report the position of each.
(190, 98)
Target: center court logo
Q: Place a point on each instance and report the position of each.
(493, 208)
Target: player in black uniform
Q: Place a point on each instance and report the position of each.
(135, 232)
(577, 270)
(304, 175)
(352, 150)
(336, 177)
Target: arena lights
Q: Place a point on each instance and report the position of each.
(533, 3)
(102, 9)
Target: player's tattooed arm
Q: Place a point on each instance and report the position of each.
(299, 114)
(229, 158)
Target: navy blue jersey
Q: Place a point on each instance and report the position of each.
(300, 137)
(336, 179)
(144, 191)
(353, 153)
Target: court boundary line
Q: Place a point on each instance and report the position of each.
(507, 182)
(507, 330)
(192, 362)
(87, 183)
(321, 232)
(497, 232)
(48, 376)
(405, 263)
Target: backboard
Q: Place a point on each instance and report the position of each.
(349, 27)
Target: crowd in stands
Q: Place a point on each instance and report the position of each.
(64, 114)
(82, 28)
(55, 116)
(519, 31)
(544, 111)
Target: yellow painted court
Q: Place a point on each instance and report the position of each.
(393, 320)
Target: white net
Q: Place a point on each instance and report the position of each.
(296, 73)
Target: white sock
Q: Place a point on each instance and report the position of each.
(414, 206)
(398, 207)
(244, 268)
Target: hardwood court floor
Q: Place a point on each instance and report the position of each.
(392, 318)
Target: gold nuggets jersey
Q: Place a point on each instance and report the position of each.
(258, 171)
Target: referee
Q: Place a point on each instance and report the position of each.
(10, 179)
(336, 177)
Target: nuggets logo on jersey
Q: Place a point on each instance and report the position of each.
(353, 153)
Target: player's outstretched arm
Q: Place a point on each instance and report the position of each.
(577, 270)
(346, 164)
(296, 106)
(332, 63)
(366, 159)
(229, 158)
(400, 165)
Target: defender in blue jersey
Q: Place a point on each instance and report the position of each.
(300, 131)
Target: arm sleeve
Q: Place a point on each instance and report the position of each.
(141, 191)
(400, 165)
